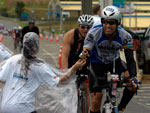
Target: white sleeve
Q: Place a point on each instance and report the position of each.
(5, 53)
(89, 40)
(46, 76)
(4, 71)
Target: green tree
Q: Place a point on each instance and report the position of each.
(19, 8)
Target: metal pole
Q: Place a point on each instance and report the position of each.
(49, 17)
(86, 6)
(130, 16)
(61, 20)
(136, 20)
(130, 20)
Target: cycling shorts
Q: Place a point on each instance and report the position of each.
(100, 71)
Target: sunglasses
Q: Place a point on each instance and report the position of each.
(87, 27)
(109, 22)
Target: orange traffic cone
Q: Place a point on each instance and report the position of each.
(46, 37)
(41, 36)
(59, 64)
(57, 40)
(51, 39)
(1, 37)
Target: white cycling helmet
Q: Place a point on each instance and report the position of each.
(86, 20)
(111, 12)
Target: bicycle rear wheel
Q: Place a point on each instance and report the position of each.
(82, 104)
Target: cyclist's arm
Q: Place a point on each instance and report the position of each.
(88, 44)
(128, 49)
(131, 64)
(67, 42)
(89, 41)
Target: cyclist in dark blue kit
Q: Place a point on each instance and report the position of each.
(103, 43)
(30, 28)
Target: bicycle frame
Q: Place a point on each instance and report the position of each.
(109, 105)
(82, 101)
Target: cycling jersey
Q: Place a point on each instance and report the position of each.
(26, 30)
(76, 49)
(97, 20)
(103, 50)
(18, 34)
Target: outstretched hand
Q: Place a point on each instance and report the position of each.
(80, 63)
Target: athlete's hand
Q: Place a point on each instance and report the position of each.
(135, 84)
(84, 54)
(125, 74)
(80, 63)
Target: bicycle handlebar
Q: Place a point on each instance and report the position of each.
(120, 83)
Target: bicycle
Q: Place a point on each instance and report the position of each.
(82, 100)
(114, 81)
(112, 93)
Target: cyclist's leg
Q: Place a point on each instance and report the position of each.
(96, 94)
(15, 43)
(127, 96)
(96, 99)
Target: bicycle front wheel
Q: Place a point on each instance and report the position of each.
(82, 104)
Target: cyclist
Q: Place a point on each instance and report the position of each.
(104, 42)
(96, 14)
(22, 77)
(18, 37)
(30, 28)
(73, 44)
(15, 37)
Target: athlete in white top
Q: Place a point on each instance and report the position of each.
(96, 14)
(24, 73)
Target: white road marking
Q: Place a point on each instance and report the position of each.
(143, 97)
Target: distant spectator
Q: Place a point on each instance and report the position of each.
(43, 32)
(96, 14)
(53, 32)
